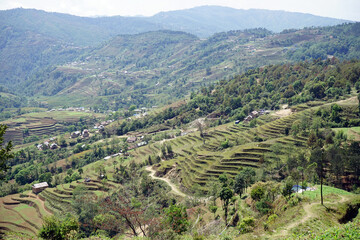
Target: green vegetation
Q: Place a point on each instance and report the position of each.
(225, 161)
(5, 152)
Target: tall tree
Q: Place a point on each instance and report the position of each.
(225, 195)
(317, 157)
(239, 184)
(5, 151)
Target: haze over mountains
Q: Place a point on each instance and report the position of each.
(36, 48)
(201, 21)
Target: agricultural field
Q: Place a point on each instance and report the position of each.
(43, 123)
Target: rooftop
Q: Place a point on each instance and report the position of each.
(40, 185)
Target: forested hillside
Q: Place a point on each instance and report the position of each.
(206, 20)
(155, 68)
(229, 172)
(32, 42)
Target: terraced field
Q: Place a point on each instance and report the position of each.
(24, 213)
(198, 162)
(41, 124)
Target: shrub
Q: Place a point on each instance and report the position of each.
(263, 207)
(293, 201)
(176, 217)
(225, 144)
(246, 225)
(257, 193)
(53, 228)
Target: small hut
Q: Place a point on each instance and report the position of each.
(38, 187)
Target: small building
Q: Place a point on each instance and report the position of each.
(131, 139)
(38, 187)
(254, 113)
(85, 133)
(75, 134)
(46, 145)
(54, 146)
(141, 144)
(40, 147)
(248, 118)
(87, 179)
(237, 121)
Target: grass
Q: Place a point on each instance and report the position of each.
(326, 191)
(61, 115)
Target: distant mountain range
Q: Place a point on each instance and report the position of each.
(136, 58)
(200, 21)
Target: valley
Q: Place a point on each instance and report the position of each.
(127, 128)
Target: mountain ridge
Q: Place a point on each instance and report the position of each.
(202, 21)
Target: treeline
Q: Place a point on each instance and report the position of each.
(261, 88)
(342, 41)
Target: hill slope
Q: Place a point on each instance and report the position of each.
(33, 40)
(207, 20)
(157, 67)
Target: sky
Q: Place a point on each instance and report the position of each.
(343, 9)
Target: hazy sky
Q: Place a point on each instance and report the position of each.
(345, 9)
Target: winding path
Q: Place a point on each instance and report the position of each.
(308, 214)
(173, 187)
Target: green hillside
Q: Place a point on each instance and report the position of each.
(195, 152)
(206, 20)
(155, 68)
(246, 134)
(35, 43)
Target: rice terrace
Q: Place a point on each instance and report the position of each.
(205, 123)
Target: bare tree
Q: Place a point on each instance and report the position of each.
(201, 126)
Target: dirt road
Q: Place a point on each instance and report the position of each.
(173, 187)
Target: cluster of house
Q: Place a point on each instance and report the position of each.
(102, 125)
(76, 134)
(72, 109)
(48, 144)
(255, 114)
(142, 112)
(133, 140)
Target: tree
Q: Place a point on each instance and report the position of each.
(5, 151)
(358, 97)
(46, 177)
(239, 184)
(55, 229)
(318, 158)
(225, 195)
(287, 190)
(213, 188)
(176, 217)
(201, 126)
(249, 176)
(208, 71)
(257, 193)
(213, 209)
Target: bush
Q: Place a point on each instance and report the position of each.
(263, 207)
(294, 200)
(246, 225)
(53, 228)
(257, 193)
(225, 144)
